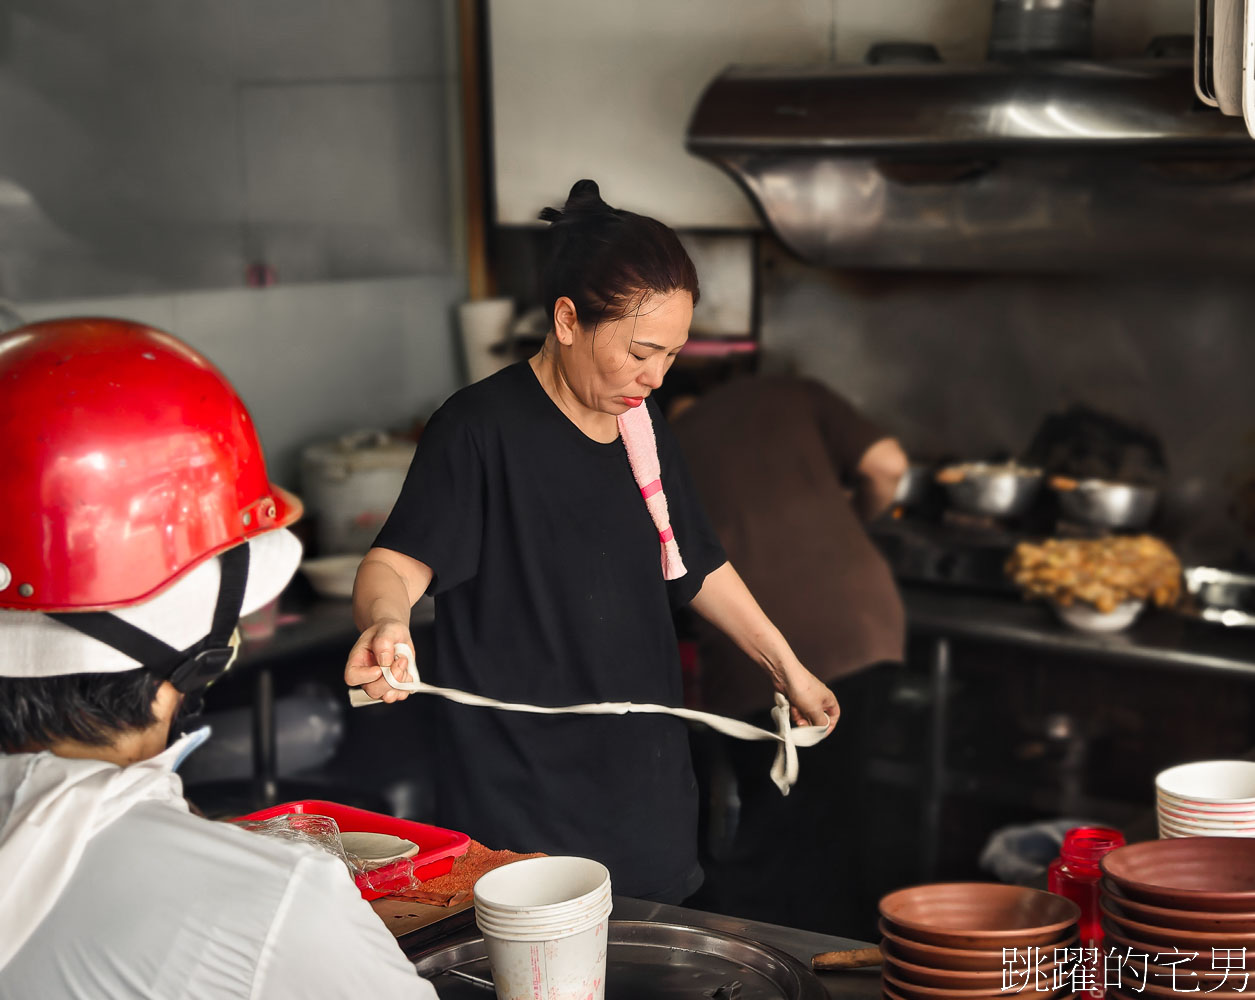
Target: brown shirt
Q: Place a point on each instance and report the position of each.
(771, 457)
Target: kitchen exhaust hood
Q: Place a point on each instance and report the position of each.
(1019, 164)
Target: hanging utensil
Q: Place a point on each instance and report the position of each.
(1228, 43)
(1248, 66)
(1203, 50)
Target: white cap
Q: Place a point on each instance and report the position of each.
(34, 645)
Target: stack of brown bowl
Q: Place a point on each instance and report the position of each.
(1179, 917)
(947, 941)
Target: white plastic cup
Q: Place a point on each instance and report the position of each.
(485, 324)
(539, 922)
(545, 924)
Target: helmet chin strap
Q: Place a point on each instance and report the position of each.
(190, 670)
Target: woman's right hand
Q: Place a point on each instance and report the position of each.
(374, 652)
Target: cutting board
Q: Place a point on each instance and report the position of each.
(402, 916)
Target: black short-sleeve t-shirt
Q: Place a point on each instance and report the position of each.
(549, 590)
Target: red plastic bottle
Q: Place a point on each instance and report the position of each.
(1075, 875)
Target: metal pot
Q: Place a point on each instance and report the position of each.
(1058, 28)
(987, 490)
(1106, 504)
(351, 483)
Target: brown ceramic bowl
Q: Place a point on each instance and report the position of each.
(939, 957)
(890, 981)
(889, 993)
(1135, 990)
(990, 980)
(982, 915)
(1211, 874)
(1194, 940)
(1166, 917)
(1199, 961)
(1158, 980)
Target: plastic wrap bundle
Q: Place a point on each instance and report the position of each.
(323, 832)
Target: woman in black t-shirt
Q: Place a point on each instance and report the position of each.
(521, 515)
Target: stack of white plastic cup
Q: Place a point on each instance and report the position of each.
(545, 922)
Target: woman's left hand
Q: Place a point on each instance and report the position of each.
(726, 603)
(810, 698)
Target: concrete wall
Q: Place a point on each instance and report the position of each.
(157, 145)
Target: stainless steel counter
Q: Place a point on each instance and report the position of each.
(1158, 638)
(857, 983)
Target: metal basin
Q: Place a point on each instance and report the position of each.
(991, 490)
(654, 961)
(1108, 504)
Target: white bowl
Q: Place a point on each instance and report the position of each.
(1189, 824)
(1198, 805)
(1212, 782)
(1204, 828)
(1170, 830)
(332, 576)
(1192, 814)
(1087, 618)
(1208, 810)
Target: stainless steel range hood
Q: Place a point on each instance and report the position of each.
(1021, 165)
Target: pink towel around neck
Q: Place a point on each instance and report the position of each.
(636, 430)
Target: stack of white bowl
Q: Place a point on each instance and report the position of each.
(1211, 798)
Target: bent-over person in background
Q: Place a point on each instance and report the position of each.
(790, 474)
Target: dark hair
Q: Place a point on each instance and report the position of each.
(90, 708)
(607, 260)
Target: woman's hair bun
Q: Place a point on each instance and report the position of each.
(585, 198)
(585, 193)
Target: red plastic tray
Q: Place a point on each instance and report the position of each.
(437, 847)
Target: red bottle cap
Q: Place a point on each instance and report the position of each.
(1084, 846)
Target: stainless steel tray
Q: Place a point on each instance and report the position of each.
(649, 959)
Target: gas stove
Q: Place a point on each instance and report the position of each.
(964, 553)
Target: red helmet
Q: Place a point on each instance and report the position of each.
(128, 459)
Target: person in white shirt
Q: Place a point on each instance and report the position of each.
(139, 523)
